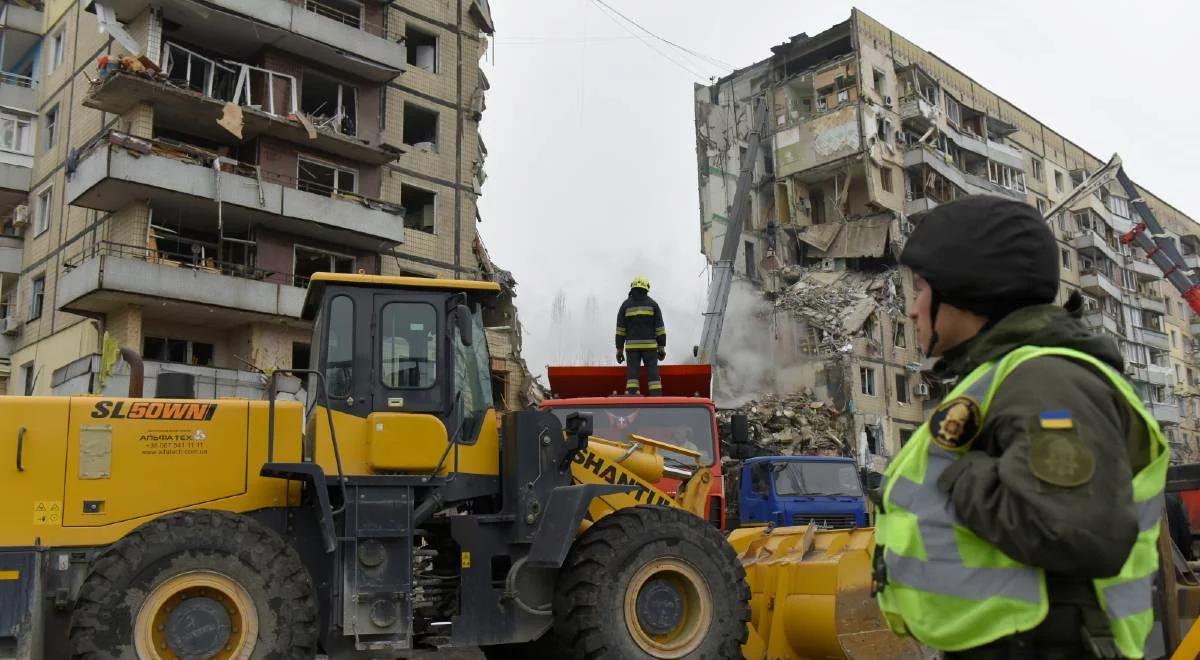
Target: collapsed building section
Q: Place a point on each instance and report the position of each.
(864, 132)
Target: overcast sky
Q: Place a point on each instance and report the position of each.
(591, 143)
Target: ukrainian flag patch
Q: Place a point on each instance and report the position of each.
(1056, 420)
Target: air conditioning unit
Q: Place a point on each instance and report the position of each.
(922, 389)
(10, 325)
(21, 216)
(887, 100)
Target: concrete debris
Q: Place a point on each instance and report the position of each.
(838, 303)
(792, 425)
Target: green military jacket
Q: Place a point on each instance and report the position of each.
(1001, 492)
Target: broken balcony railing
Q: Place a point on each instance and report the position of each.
(230, 81)
(196, 259)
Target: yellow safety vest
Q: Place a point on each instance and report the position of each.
(952, 590)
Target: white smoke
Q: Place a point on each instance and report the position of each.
(745, 366)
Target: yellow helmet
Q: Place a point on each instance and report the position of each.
(640, 282)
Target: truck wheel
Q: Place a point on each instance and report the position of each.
(652, 582)
(204, 584)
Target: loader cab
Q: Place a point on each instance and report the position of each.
(400, 351)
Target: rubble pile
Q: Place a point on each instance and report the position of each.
(795, 424)
(839, 302)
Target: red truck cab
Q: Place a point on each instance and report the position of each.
(683, 416)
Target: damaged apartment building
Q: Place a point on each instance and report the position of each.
(189, 165)
(864, 130)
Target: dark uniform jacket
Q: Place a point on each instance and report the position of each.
(1074, 533)
(640, 323)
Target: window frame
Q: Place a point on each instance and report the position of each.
(337, 171)
(58, 50)
(25, 147)
(902, 388)
(43, 209)
(50, 128)
(867, 384)
(437, 46)
(437, 348)
(329, 253)
(37, 297)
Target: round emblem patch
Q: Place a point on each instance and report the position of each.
(955, 423)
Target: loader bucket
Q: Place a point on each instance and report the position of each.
(810, 595)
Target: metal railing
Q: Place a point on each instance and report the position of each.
(175, 259)
(356, 21)
(17, 80)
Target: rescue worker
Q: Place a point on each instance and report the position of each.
(1021, 520)
(641, 337)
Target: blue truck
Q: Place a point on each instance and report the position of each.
(799, 490)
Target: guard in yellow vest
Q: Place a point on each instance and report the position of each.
(1021, 520)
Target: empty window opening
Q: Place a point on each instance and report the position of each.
(178, 351)
(883, 129)
(885, 179)
(1058, 181)
(751, 265)
(420, 209)
(58, 49)
(325, 179)
(878, 79)
(331, 104)
(310, 261)
(28, 378)
(899, 336)
(420, 127)
(422, 48)
(1066, 259)
(902, 393)
(301, 355)
(1036, 168)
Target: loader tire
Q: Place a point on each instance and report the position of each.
(196, 584)
(652, 582)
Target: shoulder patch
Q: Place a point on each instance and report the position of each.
(955, 424)
(1059, 457)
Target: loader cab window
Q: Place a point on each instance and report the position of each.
(408, 332)
(472, 377)
(339, 360)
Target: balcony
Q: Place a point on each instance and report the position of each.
(980, 184)
(1150, 303)
(1090, 240)
(275, 117)
(314, 30)
(79, 377)
(18, 92)
(1165, 413)
(1144, 269)
(1100, 320)
(914, 206)
(1152, 338)
(1098, 284)
(917, 113)
(1191, 260)
(11, 249)
(120, 170)
(22, 19)
(110, 276)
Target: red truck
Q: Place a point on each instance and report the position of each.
(684, 416)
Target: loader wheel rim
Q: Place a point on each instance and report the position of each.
(198, 614)
(668, 608)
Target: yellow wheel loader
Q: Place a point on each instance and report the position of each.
(393, 516)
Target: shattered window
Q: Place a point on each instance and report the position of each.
(902, 393)
(421, 47)
(325, 179)
(899, 332)
(332, 104)
(867, 377)
(420, 208)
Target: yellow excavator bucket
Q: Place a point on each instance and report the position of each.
(810, 595)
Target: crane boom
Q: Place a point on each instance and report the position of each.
(1148, 234)
(722, 278)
